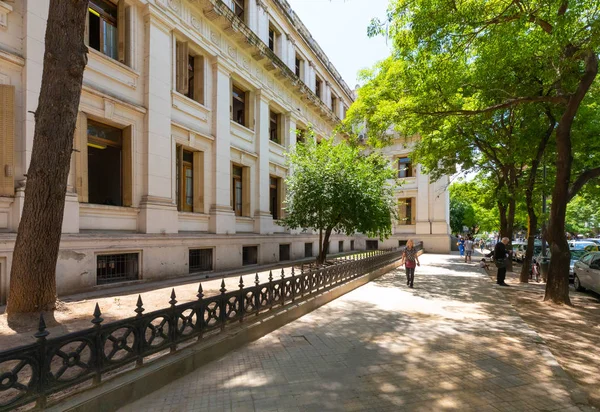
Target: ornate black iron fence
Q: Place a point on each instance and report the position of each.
(33, 373)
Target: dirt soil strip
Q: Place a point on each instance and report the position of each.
(571, 333)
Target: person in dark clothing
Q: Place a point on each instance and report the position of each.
(500, 259)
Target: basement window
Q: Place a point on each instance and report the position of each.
(117, 268)
(200, 260)
(284, 252)
(372, 245)
(308, 250)
(249, 255)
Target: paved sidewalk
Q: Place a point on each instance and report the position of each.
(451, 343)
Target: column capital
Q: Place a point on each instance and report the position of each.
(261, 4)
(220, 64)
(261, 94)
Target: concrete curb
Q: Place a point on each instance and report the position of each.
(131, 386)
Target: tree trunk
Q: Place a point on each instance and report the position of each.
(531, 229)
(324, 247)
(557, 288)
(532, 217)
(510, 223)
(33, 272)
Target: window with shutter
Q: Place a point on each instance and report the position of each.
(7, 131)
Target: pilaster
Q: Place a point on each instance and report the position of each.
(263, 221)
(423, 217)
(158, 211)
(222, 217)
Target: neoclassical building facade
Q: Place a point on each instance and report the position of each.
(186, 112)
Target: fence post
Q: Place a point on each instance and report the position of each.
(223, 310)
(96, 321)
(40, 335)
(257, 294)
(200, 311)
(174, 321)
(242, 298)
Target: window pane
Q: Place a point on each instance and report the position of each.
(110, 40)
(189, 187)
(239, 106)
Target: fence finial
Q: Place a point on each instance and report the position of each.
(256, 281)
(241, 284)
(97, 319)
(200, 293)
(282, 273)
(42, 332)
(270, 276)
(173, 301)
(140, 306)
(223, 290)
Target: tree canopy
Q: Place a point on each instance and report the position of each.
(336, 187)
(469, 74)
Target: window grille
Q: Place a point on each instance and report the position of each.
(200, 260)
(308, 249)
(117, 268)
(249, 255)
(284, 252)
(372, 245)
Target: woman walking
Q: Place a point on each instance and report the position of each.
(410, 260)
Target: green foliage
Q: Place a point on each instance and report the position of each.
(335, 187)
(583, 215)
(482, 211)
(461, 214)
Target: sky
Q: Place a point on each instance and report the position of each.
(340, 28)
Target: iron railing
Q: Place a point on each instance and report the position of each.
(34, 372)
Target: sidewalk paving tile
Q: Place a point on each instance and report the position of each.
(451, 344)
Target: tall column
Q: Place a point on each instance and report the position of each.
(262, 23)
(158, 212)
(252, 16)
(222, 217)
(311, 76)
(263, 221)
(423, 215)
(441, 206)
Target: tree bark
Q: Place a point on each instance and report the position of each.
(531, 216)
(557, 288)
(325, 246)
(33, 272)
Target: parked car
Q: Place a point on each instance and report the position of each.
(591, 239)
(580, 244)
(522, 250)
(576, 254)
(516, 250)
(592, 248)
(587, 272)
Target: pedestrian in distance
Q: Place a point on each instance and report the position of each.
(500, 256)
(469, 246)
(410, 260)
(461, 246)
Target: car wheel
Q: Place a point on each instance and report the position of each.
(577, 284)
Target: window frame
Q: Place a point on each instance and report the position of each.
(408, 167)
(235, 179)
(318, 87)
(274, 126)
(407, 219)
(235, 88)
(102, 15)
(242, 6)
(275, 209)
